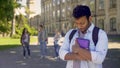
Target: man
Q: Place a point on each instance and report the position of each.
(76, 56)
(42, 36)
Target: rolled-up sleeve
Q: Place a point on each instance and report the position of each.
(98, 55)
(65, 48)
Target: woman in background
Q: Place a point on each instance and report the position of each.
(25, 40)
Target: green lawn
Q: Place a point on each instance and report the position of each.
(6, 42)
(114, 38)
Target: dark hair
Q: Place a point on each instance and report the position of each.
(81, 10)
(41, 26)
(24, 31)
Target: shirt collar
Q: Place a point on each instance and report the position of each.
(90, 29)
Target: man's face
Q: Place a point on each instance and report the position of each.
(82, 23)
(40, 28)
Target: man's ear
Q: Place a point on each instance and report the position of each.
(90, 18)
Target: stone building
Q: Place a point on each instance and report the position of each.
(57, 14)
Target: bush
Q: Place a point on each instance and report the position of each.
(31, 30)
(16, 36)
(19, 31)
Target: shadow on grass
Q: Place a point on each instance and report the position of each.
(5, 47)
(112, 59)
(114, 38)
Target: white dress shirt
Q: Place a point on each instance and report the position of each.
(98, 52)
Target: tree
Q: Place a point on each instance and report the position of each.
(16, 5)
(6, 13)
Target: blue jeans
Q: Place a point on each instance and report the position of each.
(43, 48)
(56, 46)
(26, 48)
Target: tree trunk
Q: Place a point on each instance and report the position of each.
(13, 27)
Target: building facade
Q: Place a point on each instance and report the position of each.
(57, 14)
(35, 21)
(31, 10)
(34, 12)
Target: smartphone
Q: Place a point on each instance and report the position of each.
(83, 43)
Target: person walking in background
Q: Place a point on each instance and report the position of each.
(25, 40)
(91, 51)
(42, 36)
(56, 45)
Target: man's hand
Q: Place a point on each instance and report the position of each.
(82, 54)
(75, 47)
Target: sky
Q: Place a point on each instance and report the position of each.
(38, 6)
(36, 9)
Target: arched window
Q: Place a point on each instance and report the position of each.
(101, 4)
(113, 24)
(101, 23)
(113, 3)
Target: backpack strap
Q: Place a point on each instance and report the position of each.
(71, 35)
(95, 35)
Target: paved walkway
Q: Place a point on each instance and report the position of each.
(13, 58)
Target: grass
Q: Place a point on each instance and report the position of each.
(4, 47)
(114, 38)
(7, 42)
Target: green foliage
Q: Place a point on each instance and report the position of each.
(11, 43)
(4, 27)
(31, 30)
(7, 9)
(6, 14)
(21, 19)
(16, 36)
(21, 23)
(34, 31)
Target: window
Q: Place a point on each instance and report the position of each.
(63, 13)
(68, 0)
(63, 1)
(69, 8)
(53, 13)
(47, 7)
(53, 2)
(113, 3)
(50, 6)
(58, 14)
(101, 23)
(92, 5)
(58, 2)
(68, 11)
(19, 0)
(113, 24)
(101, 4)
